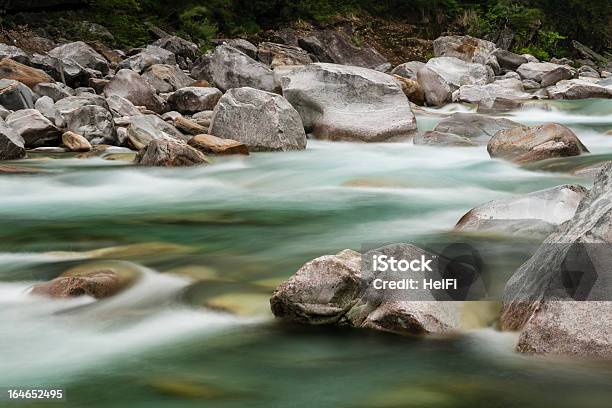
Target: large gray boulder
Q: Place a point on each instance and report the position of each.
(34, 128)
(15, 96)
(337, 290)
(523, 144)
(509, 60)
(66, 70)
(337, 47)
(94, 123)
(261, 120)
(485, 95)
(559, 74)
(440, 77)
(54, 90)
(536, 70)
(82, 54)
(408, 69)
(120, 107)
(227, 68)
(65, 108)
(185, 51)
(166, 78)
(535, 215)
(145, 128)
(339, 102)
(11, 143)
(274, 55)
(559, 311)
(169, 153)
(476, 127)
(149, 56)
(578, 89)
(194, 99)
(465, 48)
(129, 85)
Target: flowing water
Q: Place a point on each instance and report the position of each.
(208, 247)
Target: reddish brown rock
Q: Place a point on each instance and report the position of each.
(29, 76)
(215, 145)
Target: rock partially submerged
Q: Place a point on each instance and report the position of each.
(210, 144)
(339, 102)
(261, 120)
(169, 153)
(535, 214)
(523, 144)
(486, 95)
(336, 290)
(578, 89)
(559, 314)
(476, 127)
(434, 138)
(98, 284)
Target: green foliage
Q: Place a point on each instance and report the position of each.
(195, 24)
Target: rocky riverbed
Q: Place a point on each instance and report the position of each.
(159, 199)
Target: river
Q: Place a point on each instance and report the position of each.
(210, 244)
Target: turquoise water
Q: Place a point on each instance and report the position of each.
(210, 245)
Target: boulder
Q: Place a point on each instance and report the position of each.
(28, 76)
(75, 142)
(11, 143)
(578, 89)
(210, 144)
(524, 144)
(337, 47)
(274, 55)
(34, 128)
(536, 214)
(54, 90)
(129, 85)
(408, 69)
(588, 72)
(227, 68)
(65, 108)
(338, 290)
(261, 120)
(145, 128)
(588, 54)
(465, 48)
(412, 89)
(185, 51)
(440, 77)
(121, 107)
(45, 106)
(4, 112)
(194, 99)
(149, 56)
(82, 54)
(581, 329)
(98, 284)
(509, 60)
(485, 95)
(15, 96)
(14, 53)
(166, 78)
(530, 84)
(169, 153)
(434, 138)
(240, 44)
(94, 123)
(558, 74)
(536, 70)
(476, 127)
(66, 71)
(339, 102)
(562, 313)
